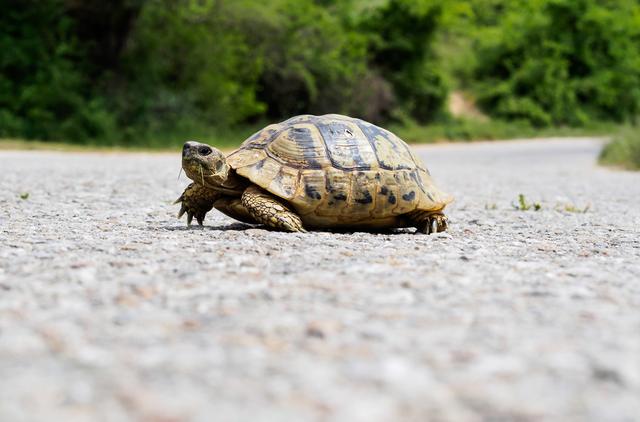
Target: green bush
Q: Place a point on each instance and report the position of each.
(623, 150)
(185, 60)
(311, 63)
(561, 62)
(225, 63)
(42, 84)
(402, 34)
(151, 71)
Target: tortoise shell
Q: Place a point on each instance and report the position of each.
(337, 170)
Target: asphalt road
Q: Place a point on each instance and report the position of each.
(111, 309)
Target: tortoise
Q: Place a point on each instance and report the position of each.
(315, 172)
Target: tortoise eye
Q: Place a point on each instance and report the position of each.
(204, 150)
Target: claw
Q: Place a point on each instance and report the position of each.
(196, 201)
(433, 226)
(183, 209)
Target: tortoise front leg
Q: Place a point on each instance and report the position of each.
(197, 201)
(270, 211)
(428, 222)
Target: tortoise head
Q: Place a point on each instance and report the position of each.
(204, 164)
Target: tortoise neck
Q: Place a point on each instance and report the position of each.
(230, 185)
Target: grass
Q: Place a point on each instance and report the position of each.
(624, 150)
(524, 205)
(572, 208)
(465, 130)
(454, 130)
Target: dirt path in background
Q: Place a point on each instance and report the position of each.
(110, 309)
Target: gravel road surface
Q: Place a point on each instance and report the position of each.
(112, 310)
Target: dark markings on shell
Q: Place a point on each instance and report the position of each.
(303, 138)
(278, 178)
(372, 131)
(258, 140)
(366, 198)
(312, 192)
(409, 196)
(416, 178)
(299, 119)
(336, 193)
(285, 187)
(384, 190)
(328, 185)
(259, 164)
(337, 139)
(392, 198)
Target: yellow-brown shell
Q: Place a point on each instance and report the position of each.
(336, 170)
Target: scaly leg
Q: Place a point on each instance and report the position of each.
(428, 222)
(270, 211)
(197, 201)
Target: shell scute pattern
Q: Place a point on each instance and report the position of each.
(347, 147)
(261, 138)
(363, 194)
(311, 191)
(407, 196)
(391, 152)
(386, 197)
(285, 183)
(302, 118)
(338, 169)
(300, 145)
(338, 191)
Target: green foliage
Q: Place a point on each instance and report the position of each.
(623, 150)
(561, 61)
(41, 82)
(462, 129)
(311, 63)
(155, 72)
(402, 35)
(186, 63)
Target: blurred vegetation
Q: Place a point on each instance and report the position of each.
(561, 62)
(156, 72)
(624, 150)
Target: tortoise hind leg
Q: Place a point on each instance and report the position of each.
(270, 211)
(428, 222)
